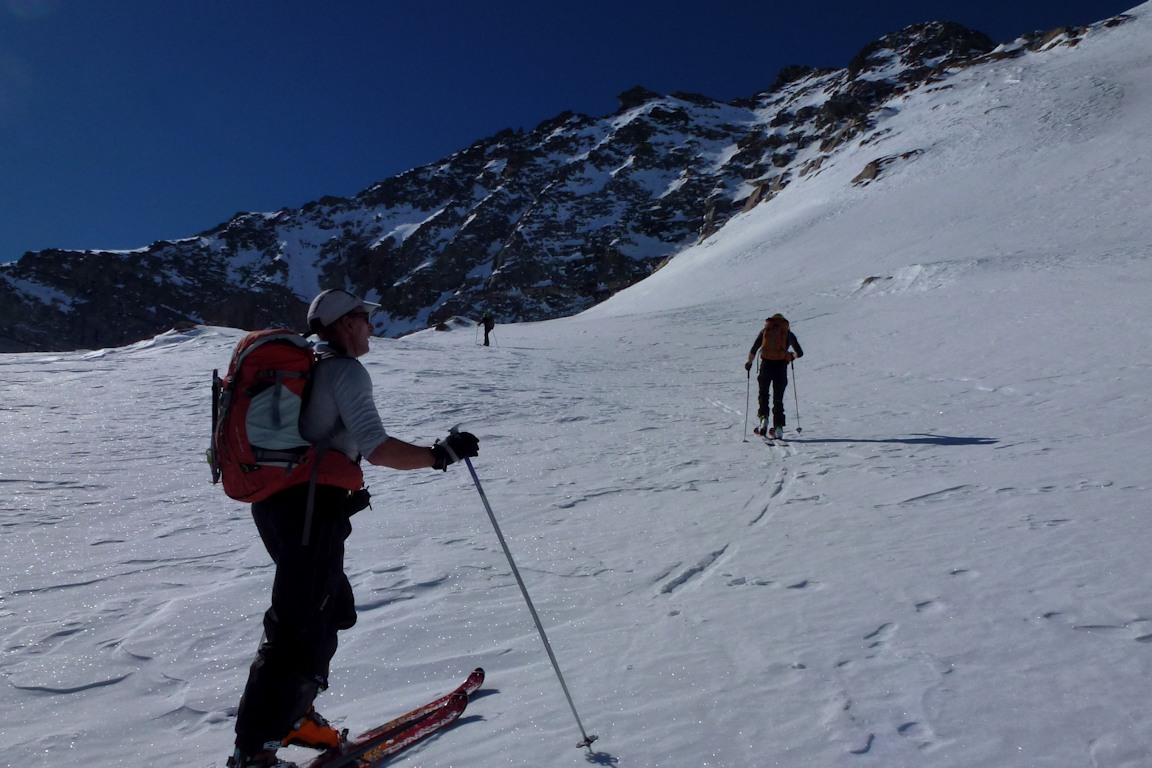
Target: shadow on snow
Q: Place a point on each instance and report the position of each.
(916, 440)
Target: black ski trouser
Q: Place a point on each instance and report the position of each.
(773, 375)
(311, 601)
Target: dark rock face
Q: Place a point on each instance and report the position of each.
(523, 225)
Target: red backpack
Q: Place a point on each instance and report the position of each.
(257, 448)
(774, 341)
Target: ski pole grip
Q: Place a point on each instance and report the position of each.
(452, 431)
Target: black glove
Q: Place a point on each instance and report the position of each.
(748, 365)
(458, 445)
(356, 501)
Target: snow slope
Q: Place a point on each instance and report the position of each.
(946, 567)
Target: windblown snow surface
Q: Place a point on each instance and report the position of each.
(947, 566)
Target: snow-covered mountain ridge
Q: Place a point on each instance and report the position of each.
(525, 225)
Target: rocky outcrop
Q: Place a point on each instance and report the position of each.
(875, 168)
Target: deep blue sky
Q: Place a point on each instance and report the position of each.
(123, 122)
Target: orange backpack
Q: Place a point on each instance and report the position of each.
(774, 339)
(257, 448)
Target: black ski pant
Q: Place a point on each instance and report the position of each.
(773, 375)
(311, 601)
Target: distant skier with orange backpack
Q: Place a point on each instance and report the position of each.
(773, 342)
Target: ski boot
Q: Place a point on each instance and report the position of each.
(314, 732)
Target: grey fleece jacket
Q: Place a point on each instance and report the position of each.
(341, 408)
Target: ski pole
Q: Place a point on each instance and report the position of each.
(795, 397)
(747, 403)
(587, 742)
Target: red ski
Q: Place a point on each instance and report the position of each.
(372, 748)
